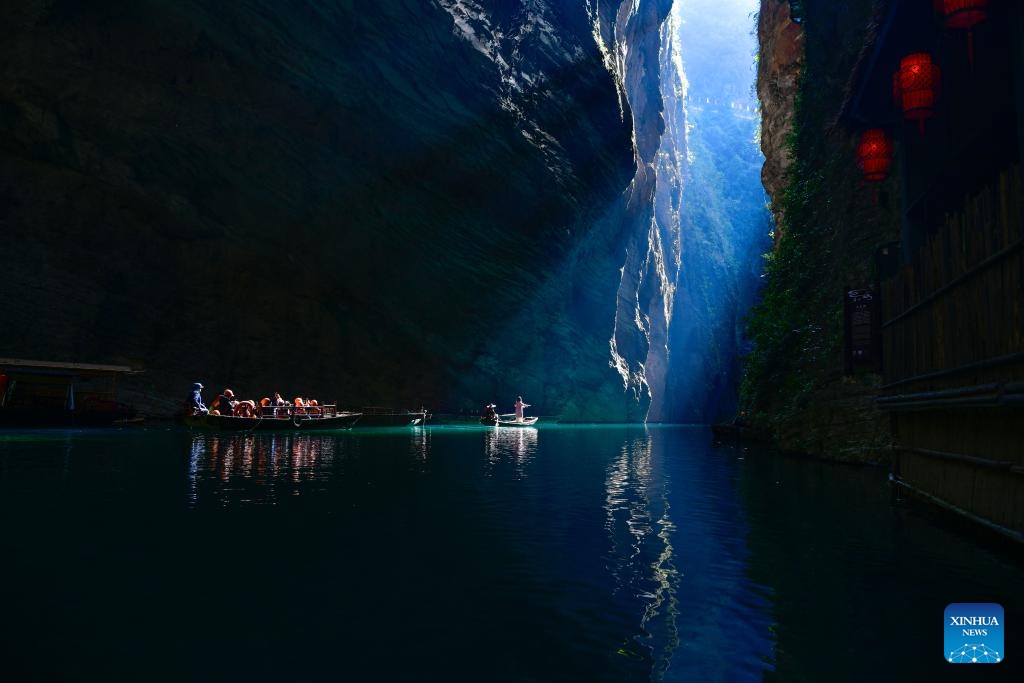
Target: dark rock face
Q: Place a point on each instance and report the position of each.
(393, 203)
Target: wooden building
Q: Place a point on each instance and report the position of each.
(944, 82)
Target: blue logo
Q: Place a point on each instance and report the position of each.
(974, 633)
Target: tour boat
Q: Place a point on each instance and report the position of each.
(269, 418)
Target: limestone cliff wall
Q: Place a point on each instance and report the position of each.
(778, 72)
(612, 298)
(795, 383)
(639, 344)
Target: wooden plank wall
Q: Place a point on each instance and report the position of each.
(959, 302)
(953, 358)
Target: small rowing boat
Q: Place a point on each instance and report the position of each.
(526, 422)
(501, 422)
(321, 418)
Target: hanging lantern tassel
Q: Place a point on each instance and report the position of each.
(874, 155)
(963, 14)
(915, 87)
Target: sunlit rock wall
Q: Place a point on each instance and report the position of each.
(694, 223)
(778, 71)
(595, 342)
(639, 45)
(720, 209)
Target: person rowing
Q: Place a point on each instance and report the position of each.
(519, 405)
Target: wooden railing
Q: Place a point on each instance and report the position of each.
(289, 410)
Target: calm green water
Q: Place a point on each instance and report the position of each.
(484, 554)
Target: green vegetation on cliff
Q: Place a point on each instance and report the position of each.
(832, 224)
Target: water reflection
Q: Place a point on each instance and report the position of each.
(515, 444)
(257, 468)
(627, 554)
(641, 560)
(195, 453)
(419, 446)
(66, 467)
(625, 507)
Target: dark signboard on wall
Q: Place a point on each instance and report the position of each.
(862, 349)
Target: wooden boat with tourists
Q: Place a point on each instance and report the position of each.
(270, 418)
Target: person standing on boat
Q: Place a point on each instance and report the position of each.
(194, 403)
(519, 408)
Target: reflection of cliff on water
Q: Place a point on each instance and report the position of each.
(642, 560)
(517, 444)
(677, 556)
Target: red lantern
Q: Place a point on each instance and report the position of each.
(963, 14)
(916, 87)
(874, 155)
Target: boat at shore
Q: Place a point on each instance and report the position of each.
(376, 416)
(322, 418)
